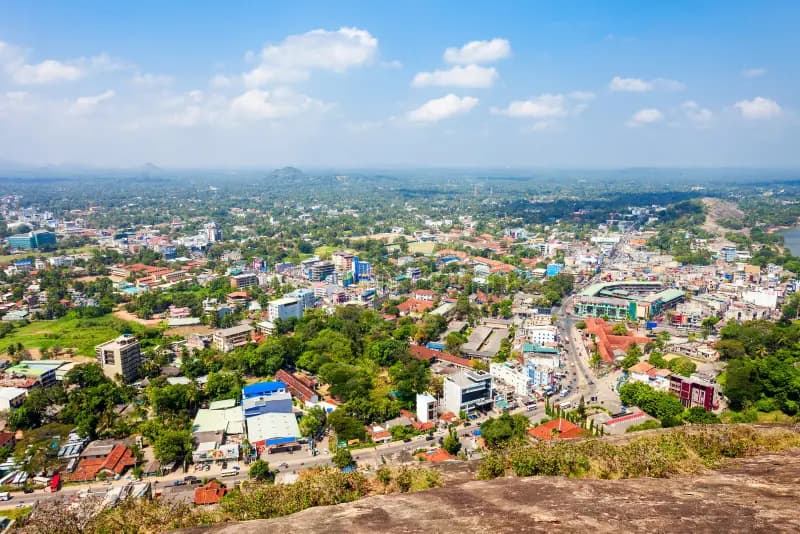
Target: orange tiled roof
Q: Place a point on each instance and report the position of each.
(211, 493)
(556, 429)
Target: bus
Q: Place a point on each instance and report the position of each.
(229, 473)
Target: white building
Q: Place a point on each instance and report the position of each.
(11, 398)
(467, 390)
(538, 334)
(512, 376)
(284, 309)
(426, 408)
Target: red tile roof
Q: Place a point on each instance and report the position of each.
(439, 455)
(296, 386)
(607, 343)
(414, 305)
(120, 458)
(211, 493)
(424, 353)
(557, 429)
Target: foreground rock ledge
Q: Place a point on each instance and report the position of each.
(760, 494)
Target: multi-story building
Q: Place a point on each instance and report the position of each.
(342, 261)
(518, 379)
(121, 357)
(213, 233)
(694, 392)
(32, 240)
(284, 308)
(305, 296)
(227, 339)
(266, 397)
(11, 398)
(320, 270)
(244, 280)
(426, 408)
(467, 390)
(538, 335)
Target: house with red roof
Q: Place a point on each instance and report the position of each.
(108, 459)
(211, 493)
(607, 342)
(557, 429)
(414, 307)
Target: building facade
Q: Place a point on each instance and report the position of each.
(120, 356)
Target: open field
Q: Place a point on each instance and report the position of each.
(8, 258)
(79, 334)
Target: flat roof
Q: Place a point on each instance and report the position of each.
(594, 289)
(270, 426)
(228, 420)
(263, 388)
(9, 393)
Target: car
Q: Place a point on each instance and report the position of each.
(236, 467)
(224, 465)
(189, 478)
(428, 438)
(178, 483)
(407, 440)
(284, 465)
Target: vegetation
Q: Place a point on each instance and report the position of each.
(653, 455)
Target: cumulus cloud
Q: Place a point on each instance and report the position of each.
(442, 108)
(696, 113)
(298, 55)
(472, 76)
(147, 79)
(546, 109)
(478, 52)
(755, 72)
(645, 116)
(256, 104)
(759, 108)
(638, 85)
(85, 105)
(14, 61)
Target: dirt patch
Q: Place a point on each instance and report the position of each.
(184, 331)
(125, 315)
(717, 211)
(749, 495)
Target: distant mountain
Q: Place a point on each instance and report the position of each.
(288, 173)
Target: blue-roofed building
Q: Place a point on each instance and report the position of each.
(553, 269)
(261, 389)
(266, 397)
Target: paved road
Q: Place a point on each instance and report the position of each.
(372, 457)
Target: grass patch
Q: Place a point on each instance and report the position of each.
(17, 514)
(67, 332)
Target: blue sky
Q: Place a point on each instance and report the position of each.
(358, 84)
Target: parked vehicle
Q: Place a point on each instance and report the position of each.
(5, 496)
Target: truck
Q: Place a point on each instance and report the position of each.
(5, 496)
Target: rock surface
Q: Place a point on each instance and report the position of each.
(760, 494)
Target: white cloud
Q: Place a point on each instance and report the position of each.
(298, 55)
(14, 62)
(148, 79)
(547, 107)
(442, 108)
(638, 85)
(47, 71)
(472, 76)
(645, 116)
(220, 81)
(256, 104)
(755, 72)
(478, 52)
(759, 108)
(696, 113)
(85, 105)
